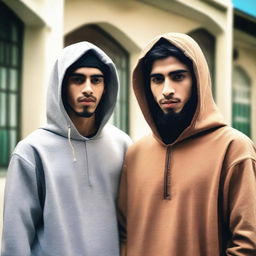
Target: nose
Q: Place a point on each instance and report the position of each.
(87, 88)
(168, 88)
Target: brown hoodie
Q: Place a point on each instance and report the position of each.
(196, 196)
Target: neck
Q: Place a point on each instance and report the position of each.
(86, 126)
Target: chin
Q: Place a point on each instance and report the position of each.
(169, 111)
(85, 114)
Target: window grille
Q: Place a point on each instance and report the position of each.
(241, 114)
(11, 31)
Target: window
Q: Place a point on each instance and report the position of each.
(241, 114)
(11, 30)
(117, 53)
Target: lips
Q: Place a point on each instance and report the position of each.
(87, 99)
(170, 101)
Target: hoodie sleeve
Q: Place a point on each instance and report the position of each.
(22, 209)
(240, 205)
(122, 207)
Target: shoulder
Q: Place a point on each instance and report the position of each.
(33, 139)
(240, 147)
(115, 133)
(239, 139)
(141, 144)
(28, 147)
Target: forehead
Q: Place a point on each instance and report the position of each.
(88, 71)
(167, 65)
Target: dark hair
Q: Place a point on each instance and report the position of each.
(161, 50)
(89, 59)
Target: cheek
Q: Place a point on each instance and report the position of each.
(70, 95)
(157, 92)
(99, 93)
(188, 91)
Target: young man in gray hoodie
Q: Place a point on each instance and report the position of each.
(61, 187)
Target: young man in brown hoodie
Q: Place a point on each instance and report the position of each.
(189, 188)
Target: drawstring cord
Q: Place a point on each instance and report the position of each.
(87, 165)
(74, 155)
(71, 145)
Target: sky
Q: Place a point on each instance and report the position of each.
(247, 6)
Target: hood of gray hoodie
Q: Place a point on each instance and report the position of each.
(58, 120)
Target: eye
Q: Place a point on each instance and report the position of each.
(97, 80)
(178, 77)
(157, 79)
(76, 79)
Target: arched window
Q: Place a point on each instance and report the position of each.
(207, 44)
(11, 31)
(242, 91)
(117, 53)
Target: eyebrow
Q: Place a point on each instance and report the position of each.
(82, 75)
(170, 73)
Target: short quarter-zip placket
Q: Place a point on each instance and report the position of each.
(167, 175)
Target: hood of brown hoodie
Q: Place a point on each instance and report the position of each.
(207, 115)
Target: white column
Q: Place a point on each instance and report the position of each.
(224, 53)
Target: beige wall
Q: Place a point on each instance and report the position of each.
(43, 39)
(137, 22)
(42, 44)
(130, 30)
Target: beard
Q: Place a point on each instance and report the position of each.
(84, 113)
(171, 124)
(171, 114)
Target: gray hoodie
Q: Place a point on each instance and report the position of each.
(61, 187)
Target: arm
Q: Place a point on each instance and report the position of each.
(22, 210)
(122, 200)
(240, 208)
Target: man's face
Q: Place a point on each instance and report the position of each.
(84, 90)
(171, 84)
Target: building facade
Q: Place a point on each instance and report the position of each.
(33, 32)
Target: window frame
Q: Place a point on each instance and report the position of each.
(245, 108)
(9, 20)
